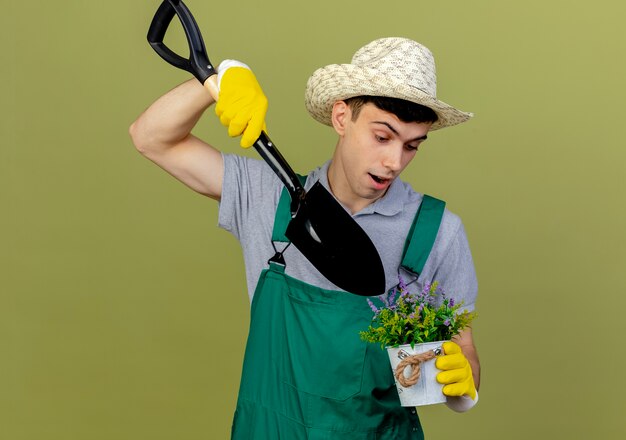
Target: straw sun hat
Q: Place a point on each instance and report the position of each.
(390, 67)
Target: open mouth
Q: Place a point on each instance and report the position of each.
(378, 179)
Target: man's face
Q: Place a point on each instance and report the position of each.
(370, 153)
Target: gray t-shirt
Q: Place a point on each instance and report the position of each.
(250, 194)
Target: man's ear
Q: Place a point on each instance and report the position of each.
(340, 116)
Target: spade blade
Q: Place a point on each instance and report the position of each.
(335, 244)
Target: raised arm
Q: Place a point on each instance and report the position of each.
(162, 133)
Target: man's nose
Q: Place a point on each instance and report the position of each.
(392, 159)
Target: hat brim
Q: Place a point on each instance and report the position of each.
(337, 82)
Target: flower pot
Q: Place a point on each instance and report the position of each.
(427, 391)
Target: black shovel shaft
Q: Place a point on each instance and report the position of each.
(281, 168)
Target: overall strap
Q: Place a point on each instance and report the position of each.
(283, 214)
(422, 234)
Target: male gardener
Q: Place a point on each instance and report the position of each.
(306, 374)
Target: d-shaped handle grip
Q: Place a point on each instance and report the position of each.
(198, 62)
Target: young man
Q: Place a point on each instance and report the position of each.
(306, 374)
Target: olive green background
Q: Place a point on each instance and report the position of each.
(123, 311)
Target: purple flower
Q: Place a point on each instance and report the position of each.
(391, 296)
(401, 283)
(451, 303)
(383, 298)
(446, 323)
(372, 306)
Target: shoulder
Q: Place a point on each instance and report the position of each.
(410, 197)
(251, 178)
(450, 225)
(450, 222)
(242, 167)
(250, 193)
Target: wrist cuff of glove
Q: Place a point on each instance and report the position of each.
(461, 403)
(224, 66)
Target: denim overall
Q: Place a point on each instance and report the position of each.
(306, 373)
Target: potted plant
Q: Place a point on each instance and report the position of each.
(412, 327)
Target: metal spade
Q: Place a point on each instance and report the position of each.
(320, 227)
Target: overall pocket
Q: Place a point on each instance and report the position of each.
(321, 353)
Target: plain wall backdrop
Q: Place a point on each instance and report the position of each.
(123, 311)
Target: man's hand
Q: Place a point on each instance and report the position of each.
(457, 372)
(242, 105)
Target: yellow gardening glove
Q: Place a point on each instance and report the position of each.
(242, 105)
(457, 375)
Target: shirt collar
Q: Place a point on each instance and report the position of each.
(390, 204)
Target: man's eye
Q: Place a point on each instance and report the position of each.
(380, 138)
(412, 147)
